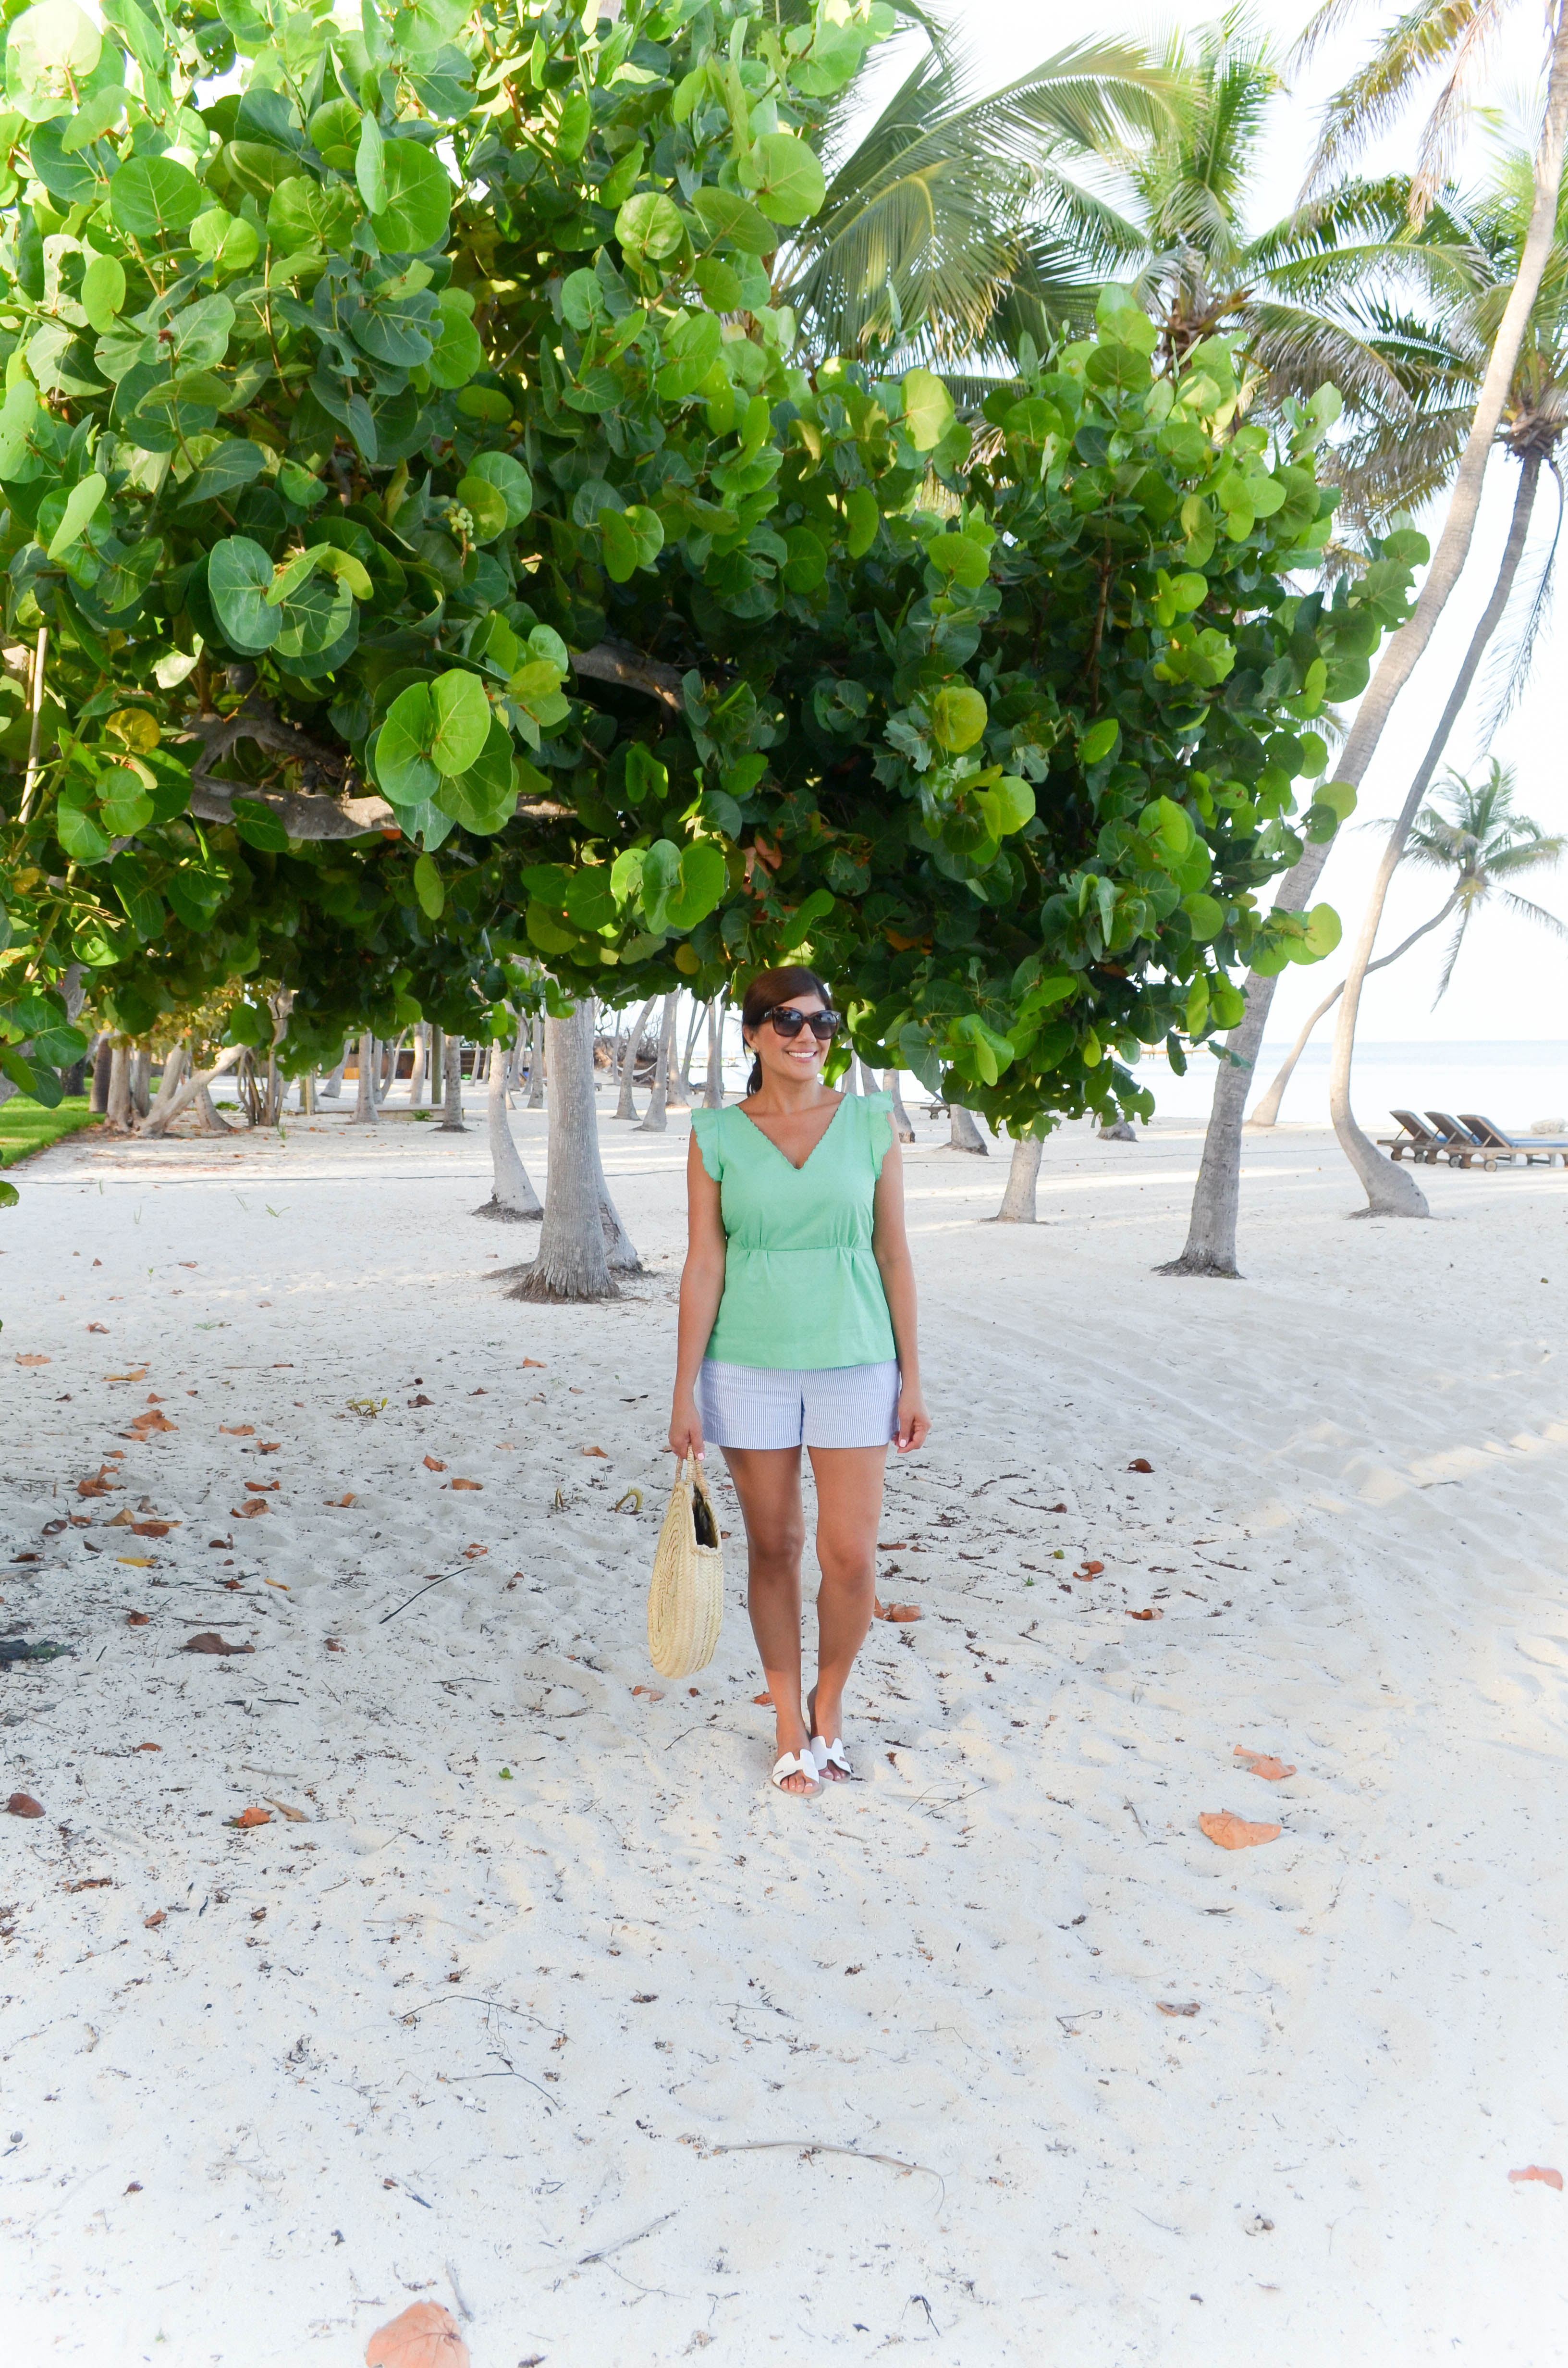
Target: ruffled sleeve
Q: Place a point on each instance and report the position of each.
(877, 1121)
(705, 1127)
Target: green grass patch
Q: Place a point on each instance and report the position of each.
(25, 1126)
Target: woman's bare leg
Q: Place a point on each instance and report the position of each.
(767, 1482)
(849, 1508)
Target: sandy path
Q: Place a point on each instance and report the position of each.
(543, 2044)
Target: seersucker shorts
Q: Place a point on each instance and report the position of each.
(767, 1406)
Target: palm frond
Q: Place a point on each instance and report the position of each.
(1510, 668)
(1536, 913)
(1426, 35)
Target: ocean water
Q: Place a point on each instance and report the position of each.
(1511, 1083)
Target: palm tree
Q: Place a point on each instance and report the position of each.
(1471, 833)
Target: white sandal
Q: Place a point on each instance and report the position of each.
(832, 1755)
(801, 1763)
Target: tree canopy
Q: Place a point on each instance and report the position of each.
(444, 557)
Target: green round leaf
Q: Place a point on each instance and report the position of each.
(316, 614)
(400, 752)
(483, 797)
(486, 402)
(732, 219)
(649, 227)
(927, 409)
(511, 481)
(785, 177)
(152, 196)
(862, 519)
(103, 291)
(959, 716)
(462, 721)
(1205, 914)
(963, 561)
(428, 889)
(239, 574)
(419, 199)
(486, 503)
(50, 53)
(807, 563)
(457, 353)
(619, 544)
(1098, 742)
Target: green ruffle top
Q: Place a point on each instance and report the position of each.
(802, 1285)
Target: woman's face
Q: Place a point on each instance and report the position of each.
(792, 1057)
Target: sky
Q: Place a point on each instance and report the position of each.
(1509, 983)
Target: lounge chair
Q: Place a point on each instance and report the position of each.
(1415, 1137)
(1528, 1148)
(1460, 1147)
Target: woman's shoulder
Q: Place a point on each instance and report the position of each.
(877, 1120)
(707, 1133)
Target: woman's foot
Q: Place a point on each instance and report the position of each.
(793, 1741)
(826, 1732)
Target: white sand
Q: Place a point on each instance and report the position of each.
(509, 2043)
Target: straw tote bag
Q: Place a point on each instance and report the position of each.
(686, 1601)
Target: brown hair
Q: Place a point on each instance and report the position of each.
(770, 987)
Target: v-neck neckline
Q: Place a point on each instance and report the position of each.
(784, 1155)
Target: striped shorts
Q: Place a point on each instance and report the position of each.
(765, 1405)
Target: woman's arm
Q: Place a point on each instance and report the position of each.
(890, 1245)
(702, 1288)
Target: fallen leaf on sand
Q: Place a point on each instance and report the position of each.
(22, 1805)
(97, 1327)
(295, 1816)
(765, 1699)
(209, 1641)
(124, 1519)
(898, 1611)
(1536, 2171)
(138, 1620)
(651, 1692)
(473, 1552)
(99, 1486)
(149, 1747)
(151, 1923)
(594, 1450)
(233, 1584)
(1234, 1833)
(139, 1375)
(245, 1512)
(136, 1562)
(1139, 1464)
(152, 1421)
(465, 1484)
(536, 1361)
(248, 1817)
(238, 1429)
(1091, 1570)
(1056, 1508)
(1259, 1763)
(342, 1500)
(434, 1463)
(31, 1358)
(268, 1446)
(421, 1400)
(423, 2336)
(277, 1583)
(152, 1528)
(333, 1645)
(1166, 2008)
(1146, 1615)
(264, 1487)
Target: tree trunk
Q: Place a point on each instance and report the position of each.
(626, 1103)
(713, 1092)
(308, 1094)
(141, 1080)
(517, 1059)
(1267, 1111)
(654, 1121)
(1023, 1176)
(119, 1110)
(899, 1115)
(683, 1085)
(512, 1198)
(1389, 1192)
(536, 1063)
(962, 1132)
(103, 1062)
(193, 1088)
(333, 1090)
(209, 1120)
(418, 1084)
(168, 1088)
(452, 1087)
(572, 1262)
(437, 1065)
(365, 1112)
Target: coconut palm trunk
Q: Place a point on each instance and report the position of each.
(1389, 1192)
(1267, 1111)
(1022, 1178)
(573, 1261)
(654, 1121)
(512, 1198)
(452, 1087)
(365, 1111)
(626, 1101)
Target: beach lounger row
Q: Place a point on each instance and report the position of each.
(1468, 1140)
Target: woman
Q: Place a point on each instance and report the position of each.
(797, 1329)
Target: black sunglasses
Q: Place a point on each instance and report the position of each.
(824, 1025)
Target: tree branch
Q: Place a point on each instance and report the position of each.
(619, 662)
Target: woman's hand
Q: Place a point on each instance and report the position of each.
(686, 1426)
(914, 1422)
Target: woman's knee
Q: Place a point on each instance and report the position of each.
(777, 1561)
(847, 1570)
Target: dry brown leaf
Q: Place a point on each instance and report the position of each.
(434, 1463)
(124, 1519)
(208, 1641)
(137, 1618)
(1538, 2170)
(536, 1361)
(1146, 1615)
(333, 1646)
(149, 1747)
(97, 1327)
(151, 1923)
(245, 1512)
(465, 1484)
(31, 1358)
(295, 1816)
(238, 1429)
(765, 1699)
(1259, 1763)
(473, 1552)
(152, 1421)
(264, 1487)
(248, 1817)
(22, 1805)
(1165, 2006)
(1233, 1832)
(342, 1500)
(1091, 1570)
(139, 1375)
(268, 1446)
(423, 2336)
(1139, 1464)
(593, 1450)
(651, 1692)
(152, 1528)
(136, 1562)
